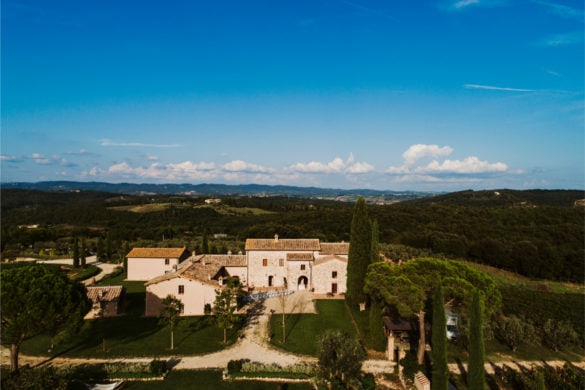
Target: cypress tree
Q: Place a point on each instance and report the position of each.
(359, 253)
(205, 243)
(82, 252)
(375, 245)
(440, 377)
(126, 251)
(75, 253)
(100, 249)
(476, 369)
(377, 338)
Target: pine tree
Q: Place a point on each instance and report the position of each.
(75, 253)
(359, 253)
(476, 369)
(440, 378)
(375, 244)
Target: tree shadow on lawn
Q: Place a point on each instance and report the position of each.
(204, 330)
(101, 334)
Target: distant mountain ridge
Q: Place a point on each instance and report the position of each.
(207, 189)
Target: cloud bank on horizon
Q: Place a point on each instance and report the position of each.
(422, 164)
(341, 94)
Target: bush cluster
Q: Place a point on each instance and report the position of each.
(241, 366)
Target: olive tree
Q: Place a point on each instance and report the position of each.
(340, 356)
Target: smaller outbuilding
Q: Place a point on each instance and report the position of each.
(107, 301)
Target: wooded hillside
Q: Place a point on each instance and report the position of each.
(535, 233)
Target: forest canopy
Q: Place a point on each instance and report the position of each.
(535, 233)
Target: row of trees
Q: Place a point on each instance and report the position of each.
(410, 289)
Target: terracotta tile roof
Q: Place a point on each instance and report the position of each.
(329, 258)
(203, 268)
(225, 260)
(284, 244)
(162, 253)
(335, 248)
(104, 293)
(300, 256)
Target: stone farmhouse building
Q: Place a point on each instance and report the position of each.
(147, 263)
(293, 264)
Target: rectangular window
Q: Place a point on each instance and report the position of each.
(281, 262)
(167, 262)
(181, 289)
(334, 274)
(302, 267)
(264, 262)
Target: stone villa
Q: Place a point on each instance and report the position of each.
(293, 264)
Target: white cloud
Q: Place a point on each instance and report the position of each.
(5, 157)
(465, 3)
(168, 172)
(414, 169)
(563, 10)
(243, 166)
(40, 159)
(469, 165)
(495, 88)
(563, 39)
(418, 151)
(107, 142)
(337, 165)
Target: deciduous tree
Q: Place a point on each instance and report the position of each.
(340, 356)
(39, 300)
(170, 314)
(226, 304)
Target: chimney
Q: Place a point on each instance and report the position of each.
(276, 238)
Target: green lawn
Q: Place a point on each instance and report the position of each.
(303, 330)
(130, 336)
(188, 379)
(133, 335)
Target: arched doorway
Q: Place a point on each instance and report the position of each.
(302, 283)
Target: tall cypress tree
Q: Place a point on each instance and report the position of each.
(476, 369)
(375, 243)
(82, 252)
(75, 253)
(377, 338)
(359, 253)
(440, 378)
(205, 243)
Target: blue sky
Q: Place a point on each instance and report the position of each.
(397, 95)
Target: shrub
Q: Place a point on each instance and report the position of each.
(38, 378)
(235, 366)
(558, 334)
(158, 367)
